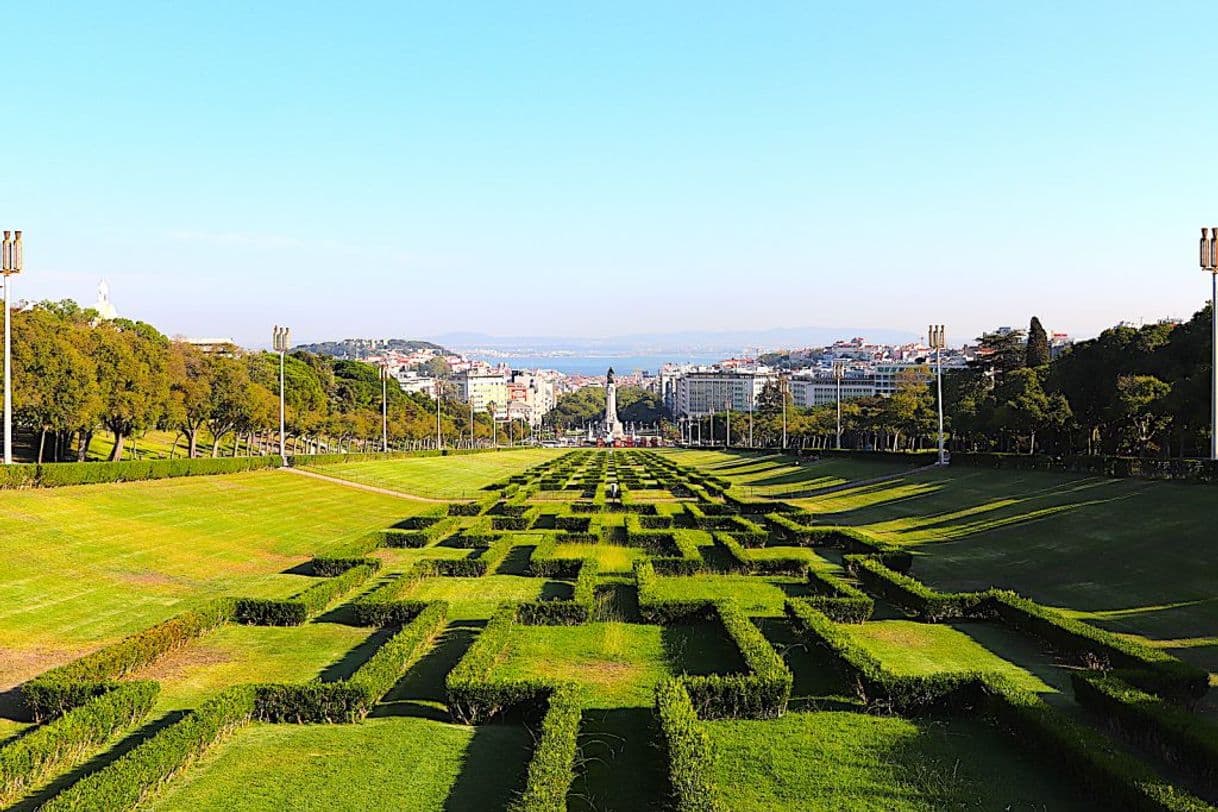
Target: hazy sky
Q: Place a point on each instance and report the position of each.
(527, 168)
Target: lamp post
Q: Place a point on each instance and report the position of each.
(10, 264)
(839, 372)
(937, 339)
(384, 408)
(280, 338)
(782, 393)
(472, 441)
(752, 408)
(1209, 262)
(439, 392)
(727, 406)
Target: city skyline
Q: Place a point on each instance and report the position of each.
(417, 172)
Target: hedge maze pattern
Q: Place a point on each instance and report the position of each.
(672, 517)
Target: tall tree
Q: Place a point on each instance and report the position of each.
(1038, 344)
(190, 380)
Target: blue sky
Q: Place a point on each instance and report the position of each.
(562, 169)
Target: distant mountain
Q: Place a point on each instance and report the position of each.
(359, 348)
(689, 341)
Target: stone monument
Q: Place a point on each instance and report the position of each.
(612, 428)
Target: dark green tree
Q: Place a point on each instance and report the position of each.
(1038, 344)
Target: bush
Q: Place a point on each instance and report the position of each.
(299, 608)
(909, 593)
(328, 567)
(565, 612)
(688, 750)
(663, 612)
(1179, 469)
(383, 606)
(484, 564)
(838, 599)
(124, 783)
(63, 742)
(761, 694)
(1184, 738)
(57, 474)
(60, 689)
(18, 475)
(473, 696)
(552, 767)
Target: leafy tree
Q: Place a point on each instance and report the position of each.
(190, 390)
(1038, 344)
(131, 377)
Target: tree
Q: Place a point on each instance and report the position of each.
(1038, 345)
(131, 377)
(1142, 411)
(228, 400)
(190, 382)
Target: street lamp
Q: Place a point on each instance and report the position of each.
(439, 392)
(10, 264)
(752, 408)
(839, 372)
(384, 408)
(280, 338)
(727, 406)
(783, 384)
(937, 339)
(1209, 262)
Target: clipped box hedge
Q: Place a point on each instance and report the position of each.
(761, 694)
(297, 609)
(911, 594)
(687, 748)
(552, 767)
(60, 474)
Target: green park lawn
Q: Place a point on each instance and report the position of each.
(84, 566)
(1130, 555)
(389, 763)
(782, 476)
(477, 598)
(457, 477)
(845, 760)
(612, 558)
(756, 595)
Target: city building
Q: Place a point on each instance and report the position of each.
(484, 389)
(706, 390)
(818, 390)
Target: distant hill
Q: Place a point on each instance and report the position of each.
(359, 348)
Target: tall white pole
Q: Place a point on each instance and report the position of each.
(439, 438)
(727, 443)
(782, 390)
(384, 410)
(1213, 363)
(282, 440)
(939, 382)
(838, 441)
(8, 384)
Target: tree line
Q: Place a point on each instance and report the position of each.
(75, 375)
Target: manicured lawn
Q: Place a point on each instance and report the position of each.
(390, 764)
(474, 598)
(781, 476)
(909, 648)
(613, 558)
(232, 655)
(757, 596)
(458, 477)
(84, 566)
(1130, 555)
(844, 760)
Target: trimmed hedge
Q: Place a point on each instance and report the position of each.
(330, 567)
(743, 562)
(911, 594)
(838, 599)
(761, 694)
(352, 699)
(66, 741)
(474, 696)
(573, 612)
(663, 612)
(297, 609)
(552, 767)
(18, 475)
(133, 777)
(383, 606)
(484, 564)
(58, 690)
(1182, 737)
(60, 474)
(688, 750)
(1180, 469)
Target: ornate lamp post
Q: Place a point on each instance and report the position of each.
(937, 338)
(280, 338)
(10, 264)
(1209, 262)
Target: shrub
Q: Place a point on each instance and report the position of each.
(552, 767)
(565, 612)
(299, 608)
(688, 750)
(124, 783)
(911, 594)
(18, 475)
(55, 691)
(663, 612)
(476, 567)
(761, 694)
(1184, 738)
(384, 606)
(56, 474)
(473, 696)
(328, 567)
(60, 743)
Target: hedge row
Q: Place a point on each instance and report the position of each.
(475, 695)
(384, 606)
(1190, 470)
(58, 474)
(305, 460)
(1184, 738)
(297, 609)
(133, 777)
(687, 561)
(849, 539)
(552, 767)
(838, 599)
(688, 750)
(423, 536)
(573, 612)
(743, 562)
(663, 612)
(1149, 668)
(332, 566)
(58, 690)
(352, 699)
(474, 508)
(64, 742)
(911, 594)
(475, 567)
(543, 563)
(761, 694)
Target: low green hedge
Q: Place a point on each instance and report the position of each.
(475, 695)
(911, 594)
(743, 562)
(663, 612)
(385, 606)
(331, 567)
(352, 699)
(573, 612)
(58, 690)
(761, 694)
(18, 475)
(552, 767)
(475, 567)
(67, 740)
(688, 749)
(1183, 737)
(297, 609)
(544, 564)
(134, 776)
(1175, 468)
(838, 599)
(59, 474)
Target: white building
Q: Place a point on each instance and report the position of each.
(707, 390)
(818, 391)
(483, 389)
(531, 395)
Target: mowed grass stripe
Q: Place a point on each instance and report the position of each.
(458, 477)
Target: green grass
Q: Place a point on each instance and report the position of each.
(844, 760)
(757, 596)
(233, 655)
(613, 558)
(381, 764)
(85, 566)
(1130, 555)
(911, 649)
(781, 476)
(476, 598)
(458, 477)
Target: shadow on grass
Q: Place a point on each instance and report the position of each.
(818, 684)
(421, 692)
(557, 591)
(493, 768)
(356, 657)
(700, 648)
(12, 706)
(517, 560)
(303, 568)
(618, 602)
(619, 764)
(102, 759)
